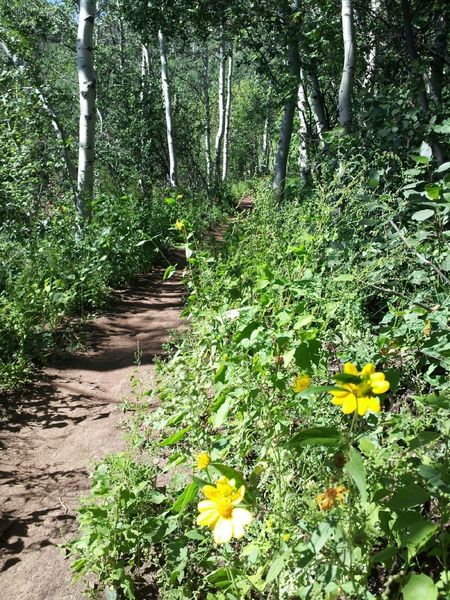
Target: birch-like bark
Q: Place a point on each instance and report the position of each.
(372, 55)
(348, 71)
(287, 123)
(145, 70)
(303, 162)
(264, 165)
(87, 88)
(227, 118)
(318, 105)
(221, 124)
(416, 77)
(167, 109)
(56, 123)
(205, 83)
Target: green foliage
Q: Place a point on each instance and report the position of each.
(293, 293)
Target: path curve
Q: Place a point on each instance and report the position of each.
(62, 425)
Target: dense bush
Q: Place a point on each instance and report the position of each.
(343, 505)
(53, 269)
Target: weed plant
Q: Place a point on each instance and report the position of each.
(300, 445)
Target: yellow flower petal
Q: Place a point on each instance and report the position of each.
(362, 406)
(349, 404)
(238, 495)
(208, 518)
(240, 518)
(223, 531)
(378, 383)
(373, 404)
(368, 370)
(350, 369)
(211, 492)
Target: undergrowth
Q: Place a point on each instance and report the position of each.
(52, 271)
(300, 444)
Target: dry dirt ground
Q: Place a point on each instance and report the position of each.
(61, 426)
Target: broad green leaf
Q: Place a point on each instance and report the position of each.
(444, 167)
(229, 472)
(374, 179)
(185, 498)
(219, 418)
(357, 472)
(424, 438)
(169, 272)
(320, 536)
(432, 191)
(175, 437)
(223, 578)
(276, 566)
(408, 496)
(422, 215)
(247, 331)
(316, 436)
(420, 587)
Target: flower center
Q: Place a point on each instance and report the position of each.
(225, 508)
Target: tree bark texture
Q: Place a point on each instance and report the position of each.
(416, 76)
(168, 110)
(207, 104)
(227, 118)
(287, 123)
(221, 124)
(87, 90)
(303, 162)
(348, 71)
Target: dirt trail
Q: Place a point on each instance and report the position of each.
(61, 426)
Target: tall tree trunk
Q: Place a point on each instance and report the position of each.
(438, 60)
(144, 99)
(227, 118)
(168, 110)
(372, 54)
(264, 165)
(303, 162)
(416, 76)
(348, 71)
(205, 83)
(221, 124)
(287, 122)
(87, 86)
(318, 104)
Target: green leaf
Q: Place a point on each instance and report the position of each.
(221, 415)
(374, 179)
(385, 555)
(229, 472)
(357, 472)
(423, 215)
(423, 160)
(444, 167)
(276, 566)
(320, 536)
(175, 437)
(432, 191)
(170, 201)
(408, 496)
(420, 587)
(316, 436)
(223, 578)
(247, 332)
(424, 438)
(307, 355)
(186, 497)
(169, 272)
(425, 150)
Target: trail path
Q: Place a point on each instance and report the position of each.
(58, 429)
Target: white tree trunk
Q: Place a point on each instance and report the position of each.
(372, 56)
(227, 116)
(348, 71)
(87, 87)
(205, 83)
(221, 124)
(264, 165)
(168, 110)
(303, 162)
(287, 123)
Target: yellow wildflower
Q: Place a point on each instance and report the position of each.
(203, 460)
(180, 225)
(286, 537)
(219, 511)
(360, 394)
(301, 382)
(332, 495)
(269, 525)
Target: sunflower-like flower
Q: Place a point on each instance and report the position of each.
(359, 390)
(203, 460)
(301, 382)
(332, 495)
(219, 512)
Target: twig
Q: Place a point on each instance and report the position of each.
(422, 258)
(400, 295)
(63, 505)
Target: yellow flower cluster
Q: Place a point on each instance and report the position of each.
(180, 225)
(219, 512)
(203, 460)
(332, 495)
(301, 382)
(361, 394)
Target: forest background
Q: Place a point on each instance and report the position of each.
(128, 127)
